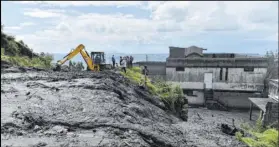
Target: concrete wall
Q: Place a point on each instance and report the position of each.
(234, 99)
(273, 89)
(217, 62)
(237, 78)
(193, 49)
(176, 52)
(198, 99)
(271, 115)
(155, 68)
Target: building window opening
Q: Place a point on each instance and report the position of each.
(248, 69)
(189, 92)
(221, 74)
(226, 76)
(180, 69)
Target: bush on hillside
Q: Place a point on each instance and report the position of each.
(15, 48)
(25, 61)
(18, 53)
(171, 95)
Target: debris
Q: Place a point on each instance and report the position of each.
(40, 144)
(28, 93)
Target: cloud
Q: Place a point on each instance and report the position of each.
(84, 3)
(13, 28)
(19, 27)
(169, 21)
(27, 24)
(39, 13)
(218, 15)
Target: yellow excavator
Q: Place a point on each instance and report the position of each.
(98, 57)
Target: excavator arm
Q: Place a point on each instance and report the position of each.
(79, 49)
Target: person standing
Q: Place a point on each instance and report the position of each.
(123, 64)
(120, 61)
(127, 61)
(113, 61)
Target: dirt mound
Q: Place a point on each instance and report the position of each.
(85, 109)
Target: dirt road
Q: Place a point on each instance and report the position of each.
(98, 109)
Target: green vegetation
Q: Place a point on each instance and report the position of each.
(18, 53)
(169, 94)
(260, 136)
(76, 65)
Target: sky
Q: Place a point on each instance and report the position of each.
(137, 27)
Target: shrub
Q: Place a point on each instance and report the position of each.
(25, 61)
(169, 94)
(261, 137)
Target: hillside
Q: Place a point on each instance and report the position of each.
(18, 53)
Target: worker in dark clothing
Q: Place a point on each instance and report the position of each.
(113, 61)
(120, 60)
(131, 61)
(145, 71)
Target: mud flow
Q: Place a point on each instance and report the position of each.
(43, 108)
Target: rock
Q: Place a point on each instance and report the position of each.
(37, 128)
(40, 144)
(59, 129)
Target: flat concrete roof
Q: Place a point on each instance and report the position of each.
(261, 102)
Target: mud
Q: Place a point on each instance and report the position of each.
(44, 108)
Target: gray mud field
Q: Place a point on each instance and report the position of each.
(40, 108)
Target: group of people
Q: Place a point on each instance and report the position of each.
(126, 61)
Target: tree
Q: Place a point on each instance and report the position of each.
(70, 64)
(272, 69)
(80, 66)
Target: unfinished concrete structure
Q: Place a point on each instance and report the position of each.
(224, 79)
(213, 79)
(268, 106)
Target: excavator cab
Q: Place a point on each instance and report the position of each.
(99, 59)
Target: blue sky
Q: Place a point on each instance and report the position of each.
(143, 27)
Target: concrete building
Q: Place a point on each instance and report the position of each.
(223, 79)
(213, 79)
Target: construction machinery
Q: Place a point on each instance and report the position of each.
(95, 63)
(99, 59)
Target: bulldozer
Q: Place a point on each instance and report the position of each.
(96, 62)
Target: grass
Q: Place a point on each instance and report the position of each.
(24, 61)
(260, 136)
(171, 95)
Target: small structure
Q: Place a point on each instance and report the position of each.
(268, 106)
